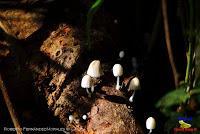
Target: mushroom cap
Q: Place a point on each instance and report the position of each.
(86, 81)
(134, 84)
(150, 123)
(121, 54)
(117, 70)
(71, 117)
(84, 117)
(94, 69)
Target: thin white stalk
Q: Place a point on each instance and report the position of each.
(92, 88)
(88, 92)
(132, 96)
(150, 131)
(118, 86)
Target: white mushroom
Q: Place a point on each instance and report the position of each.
(95, 71)
(121, 54)
(84, 117)
(117, 72)
(150, 124)
(71, 118)
(134, 85)
(86, 83)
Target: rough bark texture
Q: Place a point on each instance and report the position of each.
(19, 23)
(57, 67)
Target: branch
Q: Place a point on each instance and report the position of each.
(10, 107)
(168, 43)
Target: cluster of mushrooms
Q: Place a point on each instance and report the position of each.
(95, 71)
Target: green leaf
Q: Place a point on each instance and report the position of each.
(175, 97)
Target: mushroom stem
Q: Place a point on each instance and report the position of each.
(92, 88)
(71, 118)
(88, 92)
(132, 96)
(118, 86)
(150, 131)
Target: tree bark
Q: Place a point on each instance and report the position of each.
(58, 60)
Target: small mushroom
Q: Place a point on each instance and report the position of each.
(134, 85)
(150, 124)
(117, 72)
(86, 83)
(121, 54)
(71, 118)
(95, 71)
(84, 117)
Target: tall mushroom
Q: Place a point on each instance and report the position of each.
(86, 82)
(150, 124)
(117, 72)
(134, 85)
(95, 71)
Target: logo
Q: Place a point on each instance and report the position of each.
(184, 125)
(183, 121)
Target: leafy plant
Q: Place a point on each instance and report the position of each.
(190, 22)
(170, 103)
(175, 98)
(172, 99)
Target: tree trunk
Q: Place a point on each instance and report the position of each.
(57, 61)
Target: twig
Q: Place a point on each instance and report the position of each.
(168, 43)
(10, 107)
